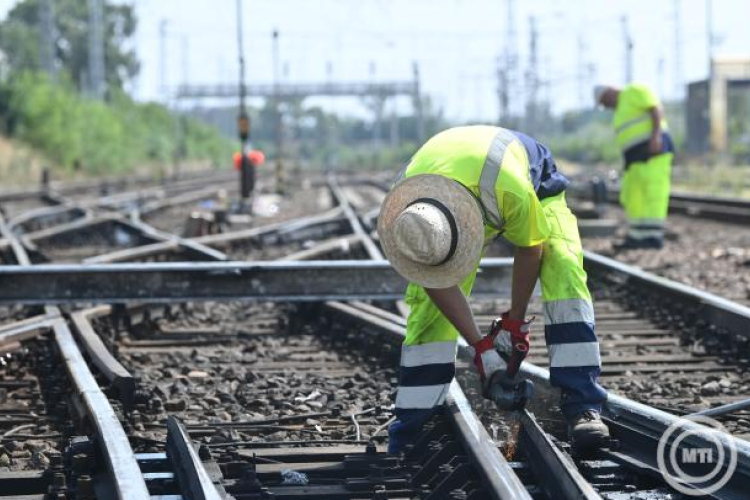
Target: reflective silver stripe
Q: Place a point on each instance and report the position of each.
(640, 234)
(428, 354)
(635, 141)
(646, 221)
(490, 171)
(573, 355)
(421, 397)
(568, 311)
(634, 121)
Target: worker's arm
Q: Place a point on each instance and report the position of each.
(655, 144)
(455, 307)
(526, 264)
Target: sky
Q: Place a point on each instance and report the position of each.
(456, 43)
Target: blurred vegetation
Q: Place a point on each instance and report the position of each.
(716, 180)
(20, 40)
(53, 115)
(100, 137)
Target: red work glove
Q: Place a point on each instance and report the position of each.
(486, 359)
(511, 340)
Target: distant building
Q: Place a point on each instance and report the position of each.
(718, 109)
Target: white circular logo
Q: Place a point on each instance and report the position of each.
(711, 458)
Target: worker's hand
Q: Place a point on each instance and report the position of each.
(655, 145)
(486, 359)
(511, 340)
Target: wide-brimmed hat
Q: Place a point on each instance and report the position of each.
(432, 230)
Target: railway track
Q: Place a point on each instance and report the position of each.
(210, 400)
(718, 208)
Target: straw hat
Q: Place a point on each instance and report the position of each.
(432, 230)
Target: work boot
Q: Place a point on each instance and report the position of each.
(653, 242)
(628, 244)
(640, 244)
(586, 430)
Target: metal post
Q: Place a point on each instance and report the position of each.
(394, 139)
(185, 49)
(709, 37)
(511, 62)
(532, 76)
(96, 49)
(677, 49)
(581, 71)
(279, 115)
(723, 409)
(47, 38)
(163, 59)
(45, 179)
(246, 179)
(628, 40)
(502, 92)
(418, 109)
(180, 120)
(378, 103)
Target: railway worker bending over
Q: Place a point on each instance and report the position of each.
(647, 148)
(461, 189)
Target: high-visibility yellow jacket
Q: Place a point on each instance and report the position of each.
(507, 171)
(633, 125)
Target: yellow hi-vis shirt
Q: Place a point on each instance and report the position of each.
(631, 119)
(459, 153)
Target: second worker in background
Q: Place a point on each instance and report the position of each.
(647, 148)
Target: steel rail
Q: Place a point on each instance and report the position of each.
(724, 201)
(134, 254)
(179, 282)
(723, 409)
(194, 246)
(220, 240)
(183, 199)
(68, 188)
(714, 309)
(192, 478)
(558, 475)
(19, 252)
(71, 227)
(342, 243)
(124, 473)
(20, 195)
(496, 474)
(719, 208)
(121, 462)
(151, 194)
(117, 375)
(372, 250)
(29, 328)
(711, 211)
(279, 228)
(638, 429)
(55, 212)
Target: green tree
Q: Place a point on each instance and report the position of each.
(101, 137)
(20, 36)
